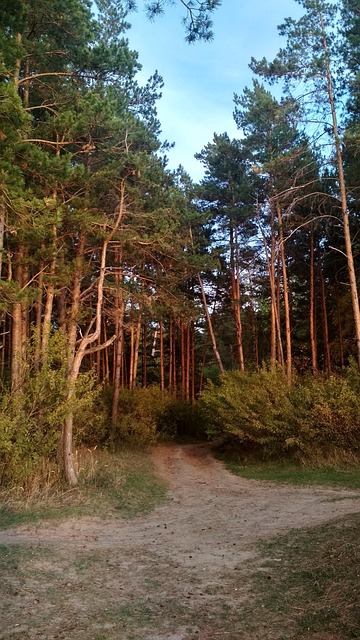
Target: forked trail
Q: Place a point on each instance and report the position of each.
(167, 575)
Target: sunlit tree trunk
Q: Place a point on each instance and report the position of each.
(48, 309)
(327, 357)
(2, 229)
(188, 363)
(77, 353)
(38, 315)
(236, 301)
(276, 342)
(17, 326)
(174, 360)
(313, 342)
(171, 356)
(286, 296)
(136, 348)
(274, 318)
(119, 357)
(343, 195)
(182, 356)
(192, 342)
(162, 364)
(210, 326)
(144, 354)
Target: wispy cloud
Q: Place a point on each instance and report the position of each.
(200, 79)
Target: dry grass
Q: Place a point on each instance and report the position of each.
(309, 582)
(124, 483)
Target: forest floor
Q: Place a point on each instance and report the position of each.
(188, 570)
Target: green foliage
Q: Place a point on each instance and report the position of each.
(197, 21)
(140, 414)
(148, 415)
(31, 418)
(260, 412)
(250, 408)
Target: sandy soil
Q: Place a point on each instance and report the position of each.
(180, 573)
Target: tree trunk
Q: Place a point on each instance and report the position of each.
(313, 342)
(192, 332)
(188, 363)
(136, 348)
(16, 76)
(343, 196)
(182, 355)
(327, 358)
(17, 328)
(38, 316)
(144, 354)
(105, 352)
(174, 374)
(275, 319)
(162, 366)
(235, 288)
(2, 229)
(201, 381)
(76, 355)
(171, 355)
(118, 356)
(210, 327)
(286, 297)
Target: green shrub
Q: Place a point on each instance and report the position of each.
(259, 412)
(330, 412)
(140, 413)
(148, 415)
(252, 409)
(31, 418)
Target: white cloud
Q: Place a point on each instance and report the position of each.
(200, 79)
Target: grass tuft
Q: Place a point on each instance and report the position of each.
(324, 473)
(309, 582)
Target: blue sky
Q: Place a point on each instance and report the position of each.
(200, 79)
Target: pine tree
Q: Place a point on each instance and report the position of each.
(311, 57)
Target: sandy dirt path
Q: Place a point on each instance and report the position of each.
(178, 573)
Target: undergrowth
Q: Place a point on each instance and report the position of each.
(258, 412)
(122, 483)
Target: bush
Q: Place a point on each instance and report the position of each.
(329, 411)
(31, 418)
(139, 420)
(252, 409)
(148, 415)
(259, 412)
